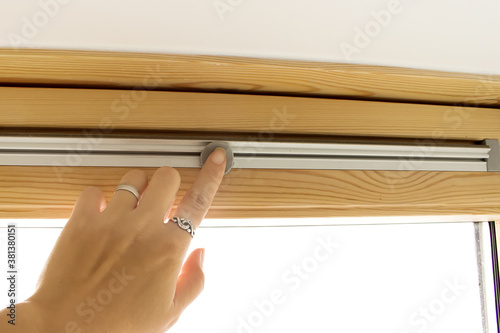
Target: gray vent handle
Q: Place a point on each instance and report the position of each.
(211, 147)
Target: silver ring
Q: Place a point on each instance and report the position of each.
(129, 188)
(184, 224)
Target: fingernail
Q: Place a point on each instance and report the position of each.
(219, 155)
(202, 257)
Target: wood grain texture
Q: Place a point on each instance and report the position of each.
(43, 192)
(264, 116)
(244, 75)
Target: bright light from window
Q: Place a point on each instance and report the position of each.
(362, 278)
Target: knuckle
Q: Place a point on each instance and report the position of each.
(210, 188)
(199, 199)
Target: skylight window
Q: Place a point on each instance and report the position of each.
(290, 275)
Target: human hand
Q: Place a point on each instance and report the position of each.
(116, 268)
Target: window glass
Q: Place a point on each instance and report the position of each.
(359, 278)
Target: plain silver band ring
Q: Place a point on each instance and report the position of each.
(184, 224)
(129, 188)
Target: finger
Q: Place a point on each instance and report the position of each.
(197, 200)
(124, 200)
(161, 192)
(91, 201)
(190, 282)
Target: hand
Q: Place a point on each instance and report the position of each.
(116, 268)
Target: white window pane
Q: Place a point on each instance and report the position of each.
(380, 278)
(33, 248)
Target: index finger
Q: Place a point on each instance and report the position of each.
(197, 200)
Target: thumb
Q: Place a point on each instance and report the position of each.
(190, 282)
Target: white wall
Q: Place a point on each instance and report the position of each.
(458, 35)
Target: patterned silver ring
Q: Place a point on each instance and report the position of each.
(184, 224)
(129, 188)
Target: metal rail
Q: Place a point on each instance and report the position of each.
(136, 152)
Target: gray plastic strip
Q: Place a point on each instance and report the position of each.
(494, 158)
(142, 152)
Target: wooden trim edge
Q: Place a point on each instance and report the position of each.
(48, 192)
(96, 69)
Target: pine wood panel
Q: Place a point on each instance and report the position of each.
(42, 192)
(262, 115)
(244, 75)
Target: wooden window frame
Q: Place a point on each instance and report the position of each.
(174, 96)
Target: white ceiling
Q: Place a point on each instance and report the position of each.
(460, 35)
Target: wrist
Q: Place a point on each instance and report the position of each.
(24, 317)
